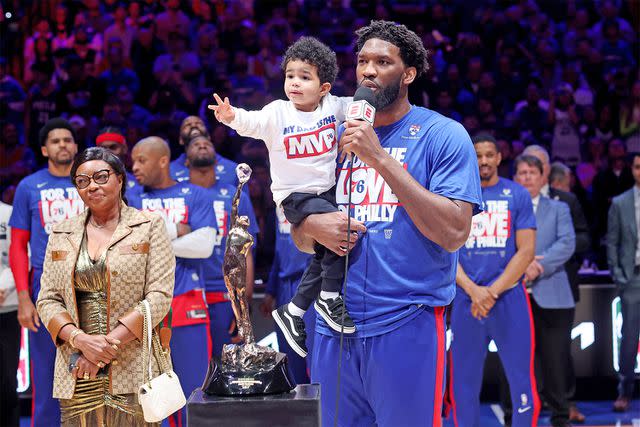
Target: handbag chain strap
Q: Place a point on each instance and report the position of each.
(151, 346)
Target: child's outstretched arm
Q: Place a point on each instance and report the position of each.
(262, 124)
(223, 110)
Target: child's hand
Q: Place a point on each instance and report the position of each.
(223, 110)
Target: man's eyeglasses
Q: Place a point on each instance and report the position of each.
(100, 177)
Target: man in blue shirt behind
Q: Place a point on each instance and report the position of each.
(415, 187)
(192, 229)
(491, 302)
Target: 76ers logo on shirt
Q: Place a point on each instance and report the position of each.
(491, 228)
(58, 204)
(372, 198)
(313, 143)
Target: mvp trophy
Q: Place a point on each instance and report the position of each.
(249, 368)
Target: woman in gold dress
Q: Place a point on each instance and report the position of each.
(98, 268)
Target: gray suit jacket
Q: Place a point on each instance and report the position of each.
(622, 238)
(556, 242)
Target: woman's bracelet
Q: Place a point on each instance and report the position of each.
(73, 336)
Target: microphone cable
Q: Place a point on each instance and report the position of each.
(344, 293)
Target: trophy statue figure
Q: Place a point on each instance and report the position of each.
(248, 368)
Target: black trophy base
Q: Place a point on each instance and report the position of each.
(301, 407)
(222, 380)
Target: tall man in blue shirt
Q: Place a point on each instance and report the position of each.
(191, 226)
(415, 187)
(491, 302)
(42, 199)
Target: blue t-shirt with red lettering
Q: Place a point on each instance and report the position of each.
(394, 269)
(181, 203)
(41, 201)
(219, 198)
(492, 241)
(225, 170)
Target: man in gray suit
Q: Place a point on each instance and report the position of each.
(552, 304)
(623, 256)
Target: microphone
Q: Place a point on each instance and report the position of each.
(361, 108)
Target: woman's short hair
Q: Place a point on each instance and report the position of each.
(99, 153)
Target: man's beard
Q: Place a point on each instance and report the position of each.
(201, 162)
(385, 96)
(62, 162)
(190, 133)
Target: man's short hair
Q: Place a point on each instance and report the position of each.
(559, 171)
(485, 137)
(55, 123)
(314, 52)
(633, 155)
(412, 51)
(529, 160)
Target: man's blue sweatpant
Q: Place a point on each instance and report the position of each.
(510, 325)
(391, 380)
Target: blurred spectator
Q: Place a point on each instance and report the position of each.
(132, 114)
(97, 17)
(531, 116)
(560, 177)
(62, 37)
(248, 90)
(505, 169)
(595, 162)
(12, 96)
(579, 29)
(146, 47)
(41, 53)
(119, 30)
(562, 115)
(444, 104)
(166, 119)
(16, 159)
(42, 30)
(81, 93)
(607, 184)
(616, 52)
(172, 20)
(177, 67)
(85, 46)
(609, 13)
(117, 74)
(630, 119)
(41, 104)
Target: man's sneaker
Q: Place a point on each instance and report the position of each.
(331, 311)
(293, 329)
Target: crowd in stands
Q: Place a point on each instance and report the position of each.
(563, 75)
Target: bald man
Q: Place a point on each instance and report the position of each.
(191, 223)
(225, 169)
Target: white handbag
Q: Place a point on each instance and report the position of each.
(162, 395)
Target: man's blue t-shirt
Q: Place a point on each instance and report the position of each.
(219, 198)
(492, 241)
(41, 201)
(288, 261)
(181, 203)
(394, 269)
(225, 170)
